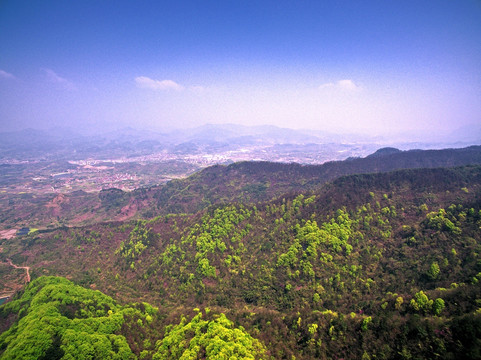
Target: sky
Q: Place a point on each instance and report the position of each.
(372, 67)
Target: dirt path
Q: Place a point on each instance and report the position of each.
(27, 268)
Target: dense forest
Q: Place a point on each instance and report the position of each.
(367, 266)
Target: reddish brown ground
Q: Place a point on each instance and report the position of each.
(8, 234)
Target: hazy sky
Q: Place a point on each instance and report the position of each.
(367, 66)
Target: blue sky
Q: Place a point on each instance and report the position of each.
(360, 66)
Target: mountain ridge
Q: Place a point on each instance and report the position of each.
(244, 182)
(262, 176)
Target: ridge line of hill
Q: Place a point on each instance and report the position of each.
(243, 182)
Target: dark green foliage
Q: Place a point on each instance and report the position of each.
(113, 198)
(466, 332)
(249, 182)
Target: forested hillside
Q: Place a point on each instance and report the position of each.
(60, 320)
(250, 182)
(368, 266)
(244, 182)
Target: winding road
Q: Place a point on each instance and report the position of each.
(27, 268)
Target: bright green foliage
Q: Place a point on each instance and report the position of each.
(440, 220)
(205, 269)
(332, 236)
(289, 259)
(293, 208)
(338, 231)
(438, 306)
(423, 207)
(365, 323)
(309, 200)
(217, 234)
(313, 328)
(214, 339)
(399, 302)
(172, 252)
(434, 271)
(139, 239)
(421, 302)
(62, 320)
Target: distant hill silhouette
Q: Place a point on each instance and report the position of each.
(385, 151)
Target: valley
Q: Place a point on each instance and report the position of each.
(355, 259)
(57, 178)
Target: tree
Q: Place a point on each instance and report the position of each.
(399, 302)
(434, 271)
(421, 302)
(438, 306)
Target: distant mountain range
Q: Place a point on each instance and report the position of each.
(208, 138)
